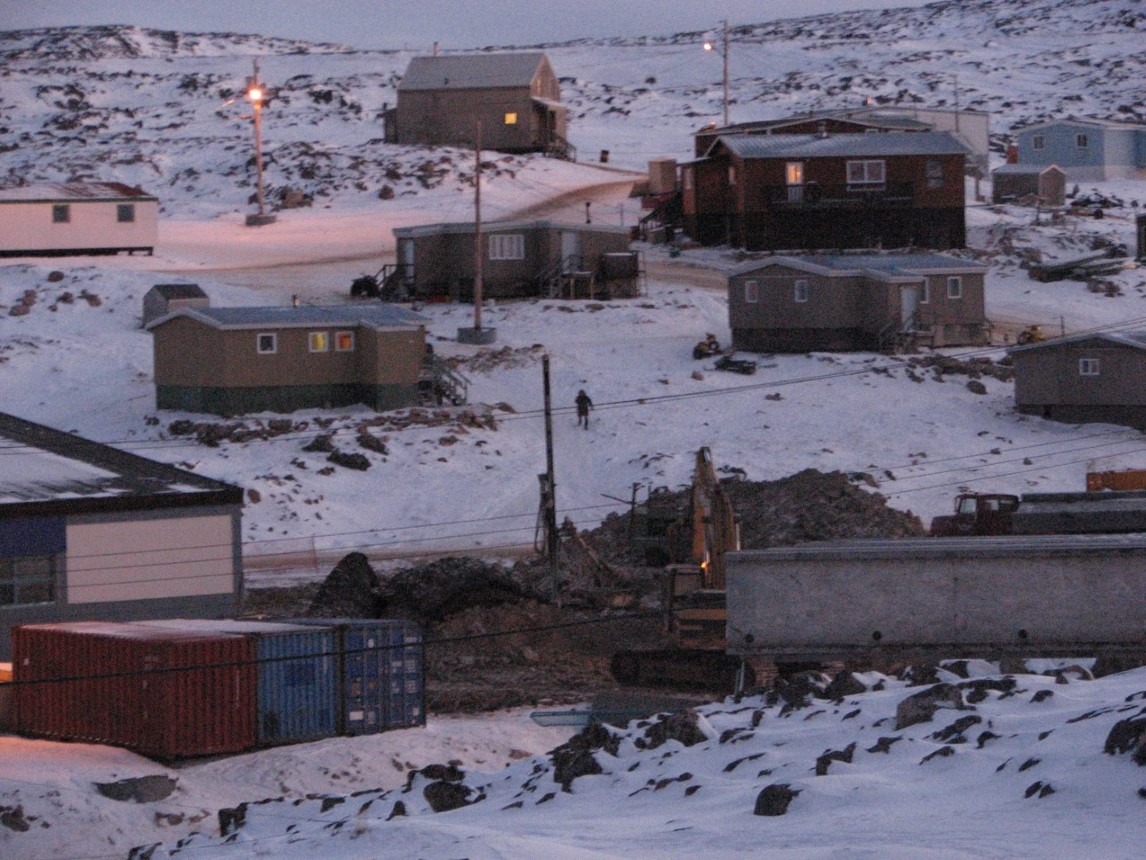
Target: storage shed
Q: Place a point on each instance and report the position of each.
(89, 532)
(1017, 183)
(165, 298)
(59, 219)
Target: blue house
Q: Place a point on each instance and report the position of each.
(1086, 149)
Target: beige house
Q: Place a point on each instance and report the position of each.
(92, 533)
(842, 302)
(515, 97)
(230, 361)
(1084, 378)
(58, 219)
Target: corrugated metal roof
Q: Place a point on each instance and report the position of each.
(70, 191)
(471, 71)
(1025, 169)
(1090, 123)
(503, 226)
(842, 145)
(373, 316)
(943, 548)
(1132, 339)
(41, 464)
(892, 264)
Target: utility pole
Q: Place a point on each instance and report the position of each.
(256, 94)
(708, 46)
(551, 486)
(476, 334)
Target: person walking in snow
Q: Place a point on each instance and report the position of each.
(584, 404)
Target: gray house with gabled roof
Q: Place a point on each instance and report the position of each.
(827, 191)
(1086, 149)
(515, 97)
(230, 361)
(92, 533)
(1083, 378)
(845, 302)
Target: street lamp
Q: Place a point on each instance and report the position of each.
(256, 94)
(709, 46)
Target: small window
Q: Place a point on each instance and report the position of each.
(686, 178)
(1088, 367)
(344, 341)
(125, 213)
(801, 290)
(27, 579)
(751, 292)
(731, 174)
(925, 292)
(955, 287)
(1081, 141)
(1038, 142)
(267, 343)
(934, 171)
(319, 341)
(511, 118)
(507, 246)
(869, 172)
(61, 213)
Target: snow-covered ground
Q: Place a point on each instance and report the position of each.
(153, 115)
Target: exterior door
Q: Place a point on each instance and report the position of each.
(908, 305)
(794, 174)
(570, 251)
(406, 259)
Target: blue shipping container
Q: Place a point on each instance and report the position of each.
(382, 673)
(297, 677)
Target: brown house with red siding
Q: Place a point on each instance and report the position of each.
(229, 361)
(830, 191)
(1084, 378)
(843, 302)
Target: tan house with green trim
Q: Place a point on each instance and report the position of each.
(229, 361)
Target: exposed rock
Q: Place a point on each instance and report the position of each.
(141, 789)
(921, 707)
(681, 727)
(323, 443)
(844, 684)
(568, 764)
(350, 591)
(445, 587)
(1126, 735)
(844, 755)
(445, 796)
(774, 799)
(358, 462)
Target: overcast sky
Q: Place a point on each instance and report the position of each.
(417, 24)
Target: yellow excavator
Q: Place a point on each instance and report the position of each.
(693, 595)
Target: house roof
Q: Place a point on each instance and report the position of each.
(888, 266)
(1090, 123)
(472, 71)
(502, 227)
(179, 291)
(841, 145)
(56, 192)
(46, 471)
(376, 316)
(1131, 339)
(1026, 169)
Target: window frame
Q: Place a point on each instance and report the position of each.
(954, 287)
(61, 213)
(318, 341)
(1038, 142)
(274, 343)
(865, 167)
(347, 336)
(801, 290)
(1089, 366)
(11, 579)
(510, 117)
(1082, 140)
(506, 246)
(925, 292)
(751, 291)
(934, 174)
(124, 213)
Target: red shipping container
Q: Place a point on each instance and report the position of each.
(163, 693)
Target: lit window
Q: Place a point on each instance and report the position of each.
(1081, 141)
(511, 118)
(800, 290)
(267, 344)
(1038, 142)
(955, 287)
(125, 213)
(344, 341)
(319, 341)
(507, 246)
(27, 579)
(751, 292)
(1088, 367)
(870, 172)
(61, 213)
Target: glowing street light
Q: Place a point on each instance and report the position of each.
(709, 46)
(256, 94)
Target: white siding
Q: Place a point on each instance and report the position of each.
(28, 226)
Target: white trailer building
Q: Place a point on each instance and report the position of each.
(58, 219)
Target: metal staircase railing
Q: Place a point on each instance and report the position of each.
(440, 384)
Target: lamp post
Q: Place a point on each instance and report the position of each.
(256, 94)
(709, 46)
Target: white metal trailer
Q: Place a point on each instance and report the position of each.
(1049, 595)
(53, 219)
